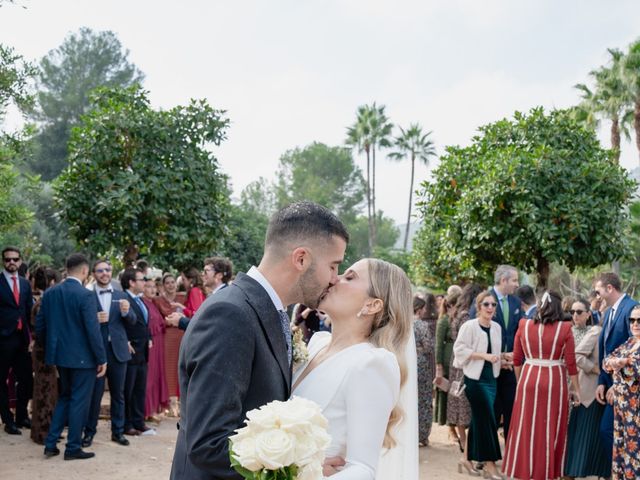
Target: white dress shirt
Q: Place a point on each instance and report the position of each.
(258, 277)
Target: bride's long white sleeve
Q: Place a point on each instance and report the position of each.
(373, 388)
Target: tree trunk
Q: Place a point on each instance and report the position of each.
(373, 195)
(130, 256)
(615, 138)
(406, 232)
(543, 270)
(369, 217)
(636, 123)
(615, 267)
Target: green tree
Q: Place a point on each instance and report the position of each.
(415, 145)
(370, 133)
(15, 74)
(359, 138)
(358, 247)
(631, 75)
(610, 99)
(528, 191)
(142, 181)
(85, 60)
(322, 174)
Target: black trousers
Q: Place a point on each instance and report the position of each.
(116, 376)
(135, 390)
(505, 398)
(14, 356)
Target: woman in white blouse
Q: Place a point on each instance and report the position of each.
(356, 372)
(477, 351)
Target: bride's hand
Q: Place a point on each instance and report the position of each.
(331, 465)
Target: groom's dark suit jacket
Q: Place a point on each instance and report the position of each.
(233, 358)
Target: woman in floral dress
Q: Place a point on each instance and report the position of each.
(426, 368)
(458, 408)
(624, 363)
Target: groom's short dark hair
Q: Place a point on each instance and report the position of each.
(303, 221)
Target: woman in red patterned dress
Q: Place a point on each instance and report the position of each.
(543, 353)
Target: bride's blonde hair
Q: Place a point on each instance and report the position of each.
(391, 326)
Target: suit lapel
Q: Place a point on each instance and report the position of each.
(269, 321)
(4, 284)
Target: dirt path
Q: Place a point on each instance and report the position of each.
(149, 457)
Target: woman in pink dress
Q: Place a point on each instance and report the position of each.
(157, 398)
(543, 353)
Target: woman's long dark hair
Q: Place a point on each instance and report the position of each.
(468, 295)
(431, 312)
(194, 276)
(549, 309)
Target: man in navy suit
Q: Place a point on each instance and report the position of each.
(135, 385)
(16, 302)
(508, 315)
(528, 301)
(113, 315)
(615, 331)
(67, 323)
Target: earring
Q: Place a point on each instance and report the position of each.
(364, 311)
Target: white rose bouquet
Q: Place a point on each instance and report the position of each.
(282, 441)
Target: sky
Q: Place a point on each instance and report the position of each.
(291, 72)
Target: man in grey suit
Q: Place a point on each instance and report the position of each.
(236, 354)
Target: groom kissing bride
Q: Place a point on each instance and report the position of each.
(236, 354)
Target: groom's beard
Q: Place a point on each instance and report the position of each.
(310, 290)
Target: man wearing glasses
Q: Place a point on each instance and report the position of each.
(15, 316)
(216, 275)
(113, 314)
(135, 386)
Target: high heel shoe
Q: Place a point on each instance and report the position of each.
(468, 467)
(486, 474)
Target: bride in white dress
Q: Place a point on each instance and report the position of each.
(356, 373)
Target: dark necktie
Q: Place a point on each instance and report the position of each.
(286, 331)
(142, 306)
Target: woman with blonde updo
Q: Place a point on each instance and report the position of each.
(356, 373)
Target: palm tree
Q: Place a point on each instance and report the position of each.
(631, 76)
(416, 145)
(359, 137)
(381, 130)
(610, 99)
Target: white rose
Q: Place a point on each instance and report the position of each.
(313, 471)
(244, 451)
(275, 448)
(321, 437)
(306, 450)
(261, 419)
(298, 414)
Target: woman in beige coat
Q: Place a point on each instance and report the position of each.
(586, 455)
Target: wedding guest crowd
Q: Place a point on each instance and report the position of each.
(114, 331)
(550, 384)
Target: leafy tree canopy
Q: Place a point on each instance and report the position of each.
(528, 191)
(141, 180)
(322, 174)
(85, 60)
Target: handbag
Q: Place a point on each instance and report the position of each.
(457, 388)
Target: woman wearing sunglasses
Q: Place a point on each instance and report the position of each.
(586, 455)
(624, 364)
(477, 352)
(543, 354)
